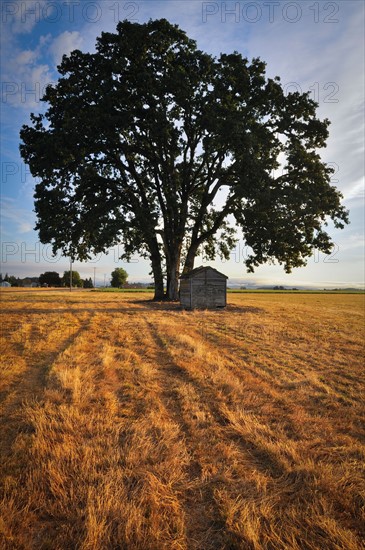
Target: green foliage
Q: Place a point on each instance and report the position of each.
(142, 136)
(76, 279)
(88, 283)
(51, 278)
(11, 279)
(119, 277)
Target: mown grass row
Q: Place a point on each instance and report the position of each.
(145, 428)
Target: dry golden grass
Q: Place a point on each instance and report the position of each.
(132, 425)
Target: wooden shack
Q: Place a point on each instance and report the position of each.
(203, 287)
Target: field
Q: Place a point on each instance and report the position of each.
(128, 424)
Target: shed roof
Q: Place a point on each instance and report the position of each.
(202, 269)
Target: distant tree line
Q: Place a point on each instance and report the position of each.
(17, 281)
(53, 279)
(50, 279)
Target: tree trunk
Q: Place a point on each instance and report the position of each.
(157, 271)
(190, 258)
(172, 290)
(173, 272)
(159, 288)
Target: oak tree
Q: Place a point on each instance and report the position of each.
(154, 144)
(50, 278)
(119, 277)
(76, 279)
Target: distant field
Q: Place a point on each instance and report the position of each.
(297, 291)
(247, 290)
(129, 424)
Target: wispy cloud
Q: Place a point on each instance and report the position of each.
(320, 52)
(26, 75)
(18, 220)
(356, 192)
(22, 17)
(64, 44)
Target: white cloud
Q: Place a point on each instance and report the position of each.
(64, 44)
(25, 74)
(356, 192)
(25, 227)
(19, 220)
(25, 57)
(22, 17)
(26, 88)
(304, 52)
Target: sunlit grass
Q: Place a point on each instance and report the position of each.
(131, 424)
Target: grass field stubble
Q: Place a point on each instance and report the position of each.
(158, 428)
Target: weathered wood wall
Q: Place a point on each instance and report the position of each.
(185, 294)
(204, 289)
(210, 293)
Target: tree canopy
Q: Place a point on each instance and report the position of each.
(119, 277)
(154, 144)
(76, 279)
(50, 278)
(88, 283)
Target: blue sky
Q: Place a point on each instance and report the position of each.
(312, 46)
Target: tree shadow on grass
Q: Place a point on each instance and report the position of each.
(176, 306)
(129, 306)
